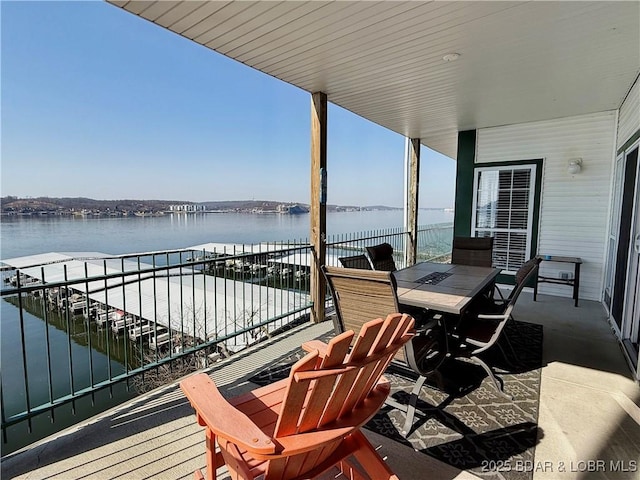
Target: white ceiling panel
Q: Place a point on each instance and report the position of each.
(177, 13)
(157, 9)
(200, 20)
(252, 18)
(519, 61)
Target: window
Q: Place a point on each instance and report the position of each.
(503, 209)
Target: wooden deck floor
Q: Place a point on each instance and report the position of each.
(589, 410)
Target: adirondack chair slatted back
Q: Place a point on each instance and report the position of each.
(343, 379)
(294, 418)
(374, 370)
(301, 426)
(322, 392)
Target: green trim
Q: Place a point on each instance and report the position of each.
(464, 183)
(629, 142)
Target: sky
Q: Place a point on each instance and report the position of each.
(99, 103)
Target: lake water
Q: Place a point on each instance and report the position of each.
(21, 236)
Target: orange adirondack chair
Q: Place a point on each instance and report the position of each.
(302, 426)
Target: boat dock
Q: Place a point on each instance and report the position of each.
(162, 304)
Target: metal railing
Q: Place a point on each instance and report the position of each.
(434, 243)
(82, 325)
(89, 333)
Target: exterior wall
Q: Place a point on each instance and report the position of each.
(629, 118)
(574, 209)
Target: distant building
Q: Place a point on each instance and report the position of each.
(186, 208)
(291, 209)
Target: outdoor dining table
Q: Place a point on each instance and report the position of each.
(443, 287)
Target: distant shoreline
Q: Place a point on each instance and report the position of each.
(45, 214)
(86, 207)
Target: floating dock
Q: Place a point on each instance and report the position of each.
(174, 301)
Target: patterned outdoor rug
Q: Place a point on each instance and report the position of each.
(467, 424)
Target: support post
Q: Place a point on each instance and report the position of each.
(411, 199)
(318, 202)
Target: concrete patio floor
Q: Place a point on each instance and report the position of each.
(589, 417)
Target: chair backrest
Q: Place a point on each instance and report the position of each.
(360, 295)
(476, 251)
(301, 426)
(343, 381)
(382, 257)
(356, 261)
(527, 272)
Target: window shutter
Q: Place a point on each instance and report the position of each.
(503, 210)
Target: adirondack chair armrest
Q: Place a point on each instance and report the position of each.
(313, 345)
(222, 418)
(323, 348)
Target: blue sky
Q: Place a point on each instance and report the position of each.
(99, 103)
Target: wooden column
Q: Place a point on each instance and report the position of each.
(318, 202)
(411, 201)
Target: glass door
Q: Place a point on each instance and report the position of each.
(614, 229)
(631, 322)
(625, 277)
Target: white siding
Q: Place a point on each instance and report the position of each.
(574, 209)
(629, 119)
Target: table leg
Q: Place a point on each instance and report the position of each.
(576, 283)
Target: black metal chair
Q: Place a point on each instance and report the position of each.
(476, 251)
(523, 276)
(356, 261)
(482, 325)
(381, 257)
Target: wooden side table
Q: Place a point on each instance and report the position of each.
(575, 281)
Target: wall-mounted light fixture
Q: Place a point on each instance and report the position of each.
(575, 166)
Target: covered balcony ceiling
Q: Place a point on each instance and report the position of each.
(518, 61)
